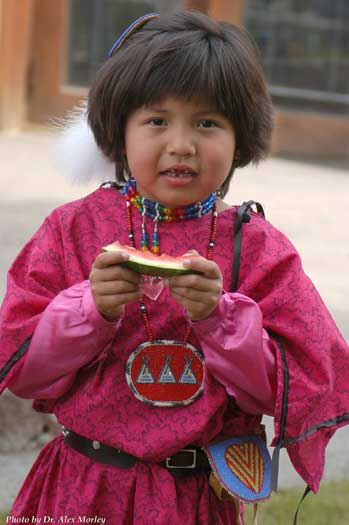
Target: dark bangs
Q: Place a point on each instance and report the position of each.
(184, 72)
(189, 56)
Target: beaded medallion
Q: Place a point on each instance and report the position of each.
(166, 373)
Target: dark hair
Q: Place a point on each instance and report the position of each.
(185, 55)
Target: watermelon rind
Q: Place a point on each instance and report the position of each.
(156, 268)
(156, 271)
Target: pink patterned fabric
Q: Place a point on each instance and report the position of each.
(71, 320)
(238, 352)
(311, 358)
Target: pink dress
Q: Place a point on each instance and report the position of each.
(94, 400)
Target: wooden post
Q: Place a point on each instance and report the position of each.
(228, 10)
(199, 5)
(15, 52)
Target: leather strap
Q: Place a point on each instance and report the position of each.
(305, 493)
(186, 462)
(97, 451)
(243, 215)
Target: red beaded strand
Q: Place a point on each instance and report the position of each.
(211, 244)
(144, 313)
(143, 308)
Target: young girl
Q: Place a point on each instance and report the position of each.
(145, 374)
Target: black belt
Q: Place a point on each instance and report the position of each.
(186, 462)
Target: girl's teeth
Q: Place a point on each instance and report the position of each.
(173, 173)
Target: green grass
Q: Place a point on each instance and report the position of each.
(329, 507)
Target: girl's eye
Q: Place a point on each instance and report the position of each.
(205, 123)
(157, 122)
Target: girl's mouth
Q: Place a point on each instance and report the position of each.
(178, 177)
(172, 173)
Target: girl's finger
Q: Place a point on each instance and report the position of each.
(114, 287)
(112, 301)
(115, 273)
(194, 308)
(197, 282)
(187, 303)
(106, 259)
(210, 269)
(195, 295)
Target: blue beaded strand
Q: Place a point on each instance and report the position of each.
(157, 211)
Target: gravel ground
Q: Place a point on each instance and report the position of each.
(13, 468)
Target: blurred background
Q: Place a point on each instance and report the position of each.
(50, 51)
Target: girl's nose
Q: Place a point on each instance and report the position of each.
(181, 143)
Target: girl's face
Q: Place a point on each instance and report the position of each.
(178, 151)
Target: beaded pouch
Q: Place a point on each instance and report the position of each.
(241, 469)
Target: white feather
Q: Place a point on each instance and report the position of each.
(76, 154)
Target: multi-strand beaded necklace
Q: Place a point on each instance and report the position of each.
(160, 213)
(166, 388)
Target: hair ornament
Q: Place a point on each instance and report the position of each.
(132, 28)
(75, 152)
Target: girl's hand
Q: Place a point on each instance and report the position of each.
(112, 285)
(199, 294)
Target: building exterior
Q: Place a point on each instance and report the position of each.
(51, 49)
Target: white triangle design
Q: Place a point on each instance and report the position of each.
(145, 375)
(167, 375)
(188, 376)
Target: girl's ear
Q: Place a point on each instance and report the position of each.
(126, 169)
(222, 191)
(236, 159)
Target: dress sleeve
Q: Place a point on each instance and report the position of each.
(312, 358)
(239, 352)
(70, 334)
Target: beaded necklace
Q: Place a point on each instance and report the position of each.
(160, 213)
(164, 372)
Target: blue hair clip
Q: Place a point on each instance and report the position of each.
(131, 29)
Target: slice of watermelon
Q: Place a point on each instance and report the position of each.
(149, 264)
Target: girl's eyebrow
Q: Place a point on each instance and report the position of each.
(202, 111)
(156, 109)
(207, 112)
(211, 113)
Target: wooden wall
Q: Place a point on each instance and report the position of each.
(15, 51)
(49, 94)
(229, 10)
(311, 135)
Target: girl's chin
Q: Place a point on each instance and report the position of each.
(176, 203)
(176, 199)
